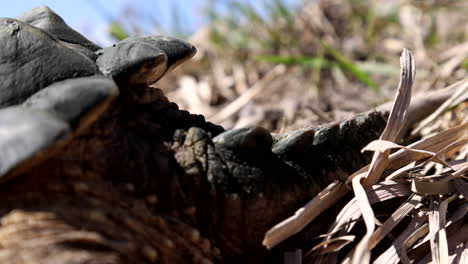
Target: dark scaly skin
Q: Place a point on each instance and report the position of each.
(105, 182)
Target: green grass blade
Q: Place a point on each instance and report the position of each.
(349, 67)
(117, 31)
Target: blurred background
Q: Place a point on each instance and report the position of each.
(284, 64)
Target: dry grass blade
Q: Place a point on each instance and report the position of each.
(398, 113)
(422, 105)
(377, 193)
(336, 191)
(449, 148)
(379, 162)
(362, 251)
(461, 171)
(255, 90)
(413, 166)
(438, 238)
(397, 117)
(443, 245)
(423, 231)
(396, 252)
(332, 245)
(393, 220)
(456, 236)
(432, 185)
(436, 142)
(384, 145)
(305, 215)
(461, 91)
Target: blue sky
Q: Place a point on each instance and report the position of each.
(90, 17)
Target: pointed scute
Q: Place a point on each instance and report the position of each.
(143, 60)
(133, 63)
(44, 18)
(73, 100)
(31, 59)
(176, 49)
(26, 134)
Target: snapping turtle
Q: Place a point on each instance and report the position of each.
(102, 168)
(98, 167)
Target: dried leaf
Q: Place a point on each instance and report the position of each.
(362, 251)
(302, 217)
(462, 171)
(396, 252)
(433, 187)
(436, 142)
(377, 193)
(397, 117)
(438, 238)
(398, 114)
(394, 219)
(391, 222)
(404, 171)
(247, 96)
(384, 145)
(332, 245)
(461, 91)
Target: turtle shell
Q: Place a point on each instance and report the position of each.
(52, 88)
